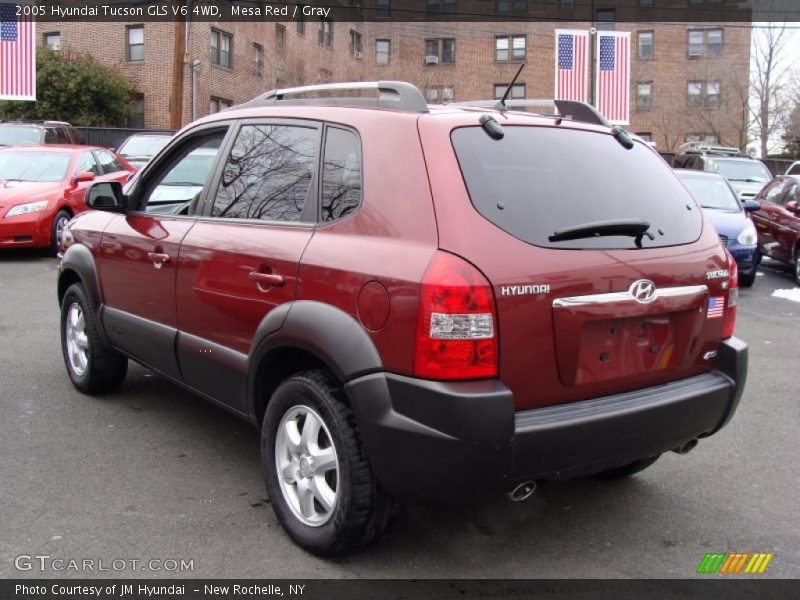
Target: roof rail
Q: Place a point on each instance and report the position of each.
(700, 147)
(567, 109)
(394, 95)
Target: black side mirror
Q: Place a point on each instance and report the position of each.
(106, 195)
(751, 205)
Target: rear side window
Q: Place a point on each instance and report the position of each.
(341, 174)
(268, 173)
(794, 170)
(539, 180)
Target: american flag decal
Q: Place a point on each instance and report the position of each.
(716, 306)
(613, 76)
(572, 59)
(17, 55)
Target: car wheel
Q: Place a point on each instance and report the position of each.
(629, 469)
(318, 475)
(57, 229)
(747, 280)
(92, 367)
(797, 266)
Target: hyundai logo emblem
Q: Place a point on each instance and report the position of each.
(643, 290)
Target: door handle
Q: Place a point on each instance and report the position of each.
(159, 259)
(266, 280)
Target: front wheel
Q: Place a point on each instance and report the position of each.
(57, 230)
(92, 367)
(797, 266)
(319, 478)
(747, 280)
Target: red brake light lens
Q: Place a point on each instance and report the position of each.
(456, 334)
(729, 319)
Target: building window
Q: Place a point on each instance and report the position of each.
(509, 47)
(431, 94)
(644, 94)
(324, 76)
(383, 52)
(517, 92)
(440, 50)
(644, 44)
(301, 22)
(645, 2)
(441, 6)
(136, 120)
(440, 93)
(509, 6)
(280, 38)
(53, 40)
(258, 60)
(218, 104)
(325, 33)
(705, 42)
(605, 15)
(135, 35)
(355, 44)
(566, 4)
(703, 93)
(707, 138)
(383, 8)
(645, 135)
(221, 43)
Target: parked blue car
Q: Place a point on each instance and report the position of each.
(735, 228)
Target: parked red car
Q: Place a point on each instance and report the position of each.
(43, 186)
(411, 301)
(778, 221)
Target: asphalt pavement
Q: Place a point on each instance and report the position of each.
(152, 472)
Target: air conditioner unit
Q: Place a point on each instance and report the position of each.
(431, 59)
(695, 51)
(359, 55)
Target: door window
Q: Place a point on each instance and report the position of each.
(181, 175)
(108, 162)
(268, 174)
(87, 162)
(774, 191)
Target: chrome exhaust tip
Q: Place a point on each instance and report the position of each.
(522, 492)
(687, 447)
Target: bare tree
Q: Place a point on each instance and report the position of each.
(771, 72)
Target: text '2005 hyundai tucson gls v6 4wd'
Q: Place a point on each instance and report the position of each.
(413, 301)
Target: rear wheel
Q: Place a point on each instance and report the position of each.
(629, 469)
(57, 229)
(92, 367)
(797, 266)
(747, 280)
(318, 476)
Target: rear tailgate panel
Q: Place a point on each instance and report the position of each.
(552, 355)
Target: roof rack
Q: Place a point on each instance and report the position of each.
(701, 148)
(567, 109)
(395, 95)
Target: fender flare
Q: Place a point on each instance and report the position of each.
(78, 259)
(324, 331)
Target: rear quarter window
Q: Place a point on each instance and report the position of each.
(538, 180)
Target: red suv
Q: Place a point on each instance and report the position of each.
(411, 301)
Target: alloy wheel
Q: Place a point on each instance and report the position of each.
(77, 341)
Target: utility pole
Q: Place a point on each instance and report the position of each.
(592, 58)
(176, 108)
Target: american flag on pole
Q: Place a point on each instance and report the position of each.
(17, 55)
(716, 306)
(612, 85)
(572, 59)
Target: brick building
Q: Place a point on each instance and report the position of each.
(687, 81)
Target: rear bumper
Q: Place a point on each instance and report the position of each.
(452, 441)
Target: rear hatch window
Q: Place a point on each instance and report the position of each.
(537, 181)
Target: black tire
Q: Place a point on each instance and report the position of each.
(797, 266)
(105, 368)
(63, 217)
(627, 470)
(747, 280)
(363, 512)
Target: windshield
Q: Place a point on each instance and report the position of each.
(11, 135)
(711, 192)
(540, 180)
(740, 170)
(144, 145)
(33, 166)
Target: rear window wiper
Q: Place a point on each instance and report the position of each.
(636, 228)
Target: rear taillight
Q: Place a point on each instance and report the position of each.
(456, 322)
(729, 320)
